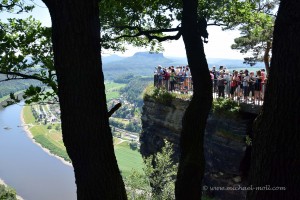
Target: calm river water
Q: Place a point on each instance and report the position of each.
(26, 167)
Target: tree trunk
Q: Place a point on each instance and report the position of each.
(267, 57)
(191, 165)
(85, 126)
(275, 158)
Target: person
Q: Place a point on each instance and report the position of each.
(187, 79)
(166, 77)
(246, 80)
(211, 75)
(160, 76)
(221, 69)
(240, 83)
(251, 85)
(221, 85)
(227, 82)
(234, 83)
(257, 86)
(172, 80)
(214, 72)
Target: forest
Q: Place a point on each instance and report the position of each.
(69, 51)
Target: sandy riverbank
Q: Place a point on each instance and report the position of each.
(28, 133)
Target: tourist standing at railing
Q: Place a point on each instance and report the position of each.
(227, 82)
(257, 86)
(234, 84)
(166, 77)
(251, 85)
(187, 79)
(214, 72)
(221, 84)
(159, 76)
(212, 77)
(172, 80)
(246, 80)
(240, 89)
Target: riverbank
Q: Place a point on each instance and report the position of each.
(5, 99)
(49, 138)
(3, 183)
(26, 128)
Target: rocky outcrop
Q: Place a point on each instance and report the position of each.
(161, 122)
(226, 153)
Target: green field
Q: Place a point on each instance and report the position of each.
(128, 159)
(52, 140)
(112, 90)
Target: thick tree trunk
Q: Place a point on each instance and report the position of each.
(191, 165)
(85, 127)
(275, 158)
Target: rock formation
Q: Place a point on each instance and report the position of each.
(226, 152)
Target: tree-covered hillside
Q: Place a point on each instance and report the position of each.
(7, 87)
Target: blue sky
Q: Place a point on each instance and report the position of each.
(217, 47)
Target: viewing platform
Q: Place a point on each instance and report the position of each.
(248, 98)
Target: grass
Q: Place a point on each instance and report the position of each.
(52, 140)
(112, 90)
(163, 96)
(49, 139)
(128, 159)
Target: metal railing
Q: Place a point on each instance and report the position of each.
(251, 94)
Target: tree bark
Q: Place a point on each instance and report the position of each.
(275, 158)
(81, 91)
(267, 57)
(192, 163)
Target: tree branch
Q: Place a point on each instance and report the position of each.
(9, 79)
(163, 30)
(24, 76)
(114, 109)
(148, 33)
(216, 24)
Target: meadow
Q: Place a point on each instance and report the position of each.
(51, 139)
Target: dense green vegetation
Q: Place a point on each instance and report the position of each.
(225, 107)
(7, 193)
(132, 92)
(158, 178)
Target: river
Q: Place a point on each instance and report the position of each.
(26, 167)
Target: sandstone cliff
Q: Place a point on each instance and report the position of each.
(226, 152)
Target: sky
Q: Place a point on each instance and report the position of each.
(218, 46)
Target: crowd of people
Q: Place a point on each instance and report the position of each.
(173, 78)
(239, 85)
(244, 85)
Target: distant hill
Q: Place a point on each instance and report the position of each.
(143, 63)
(112, 58)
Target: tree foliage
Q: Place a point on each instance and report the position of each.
(7, 193)
(257, 32)
(26, 53)
(14, 6)
(158, 182)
